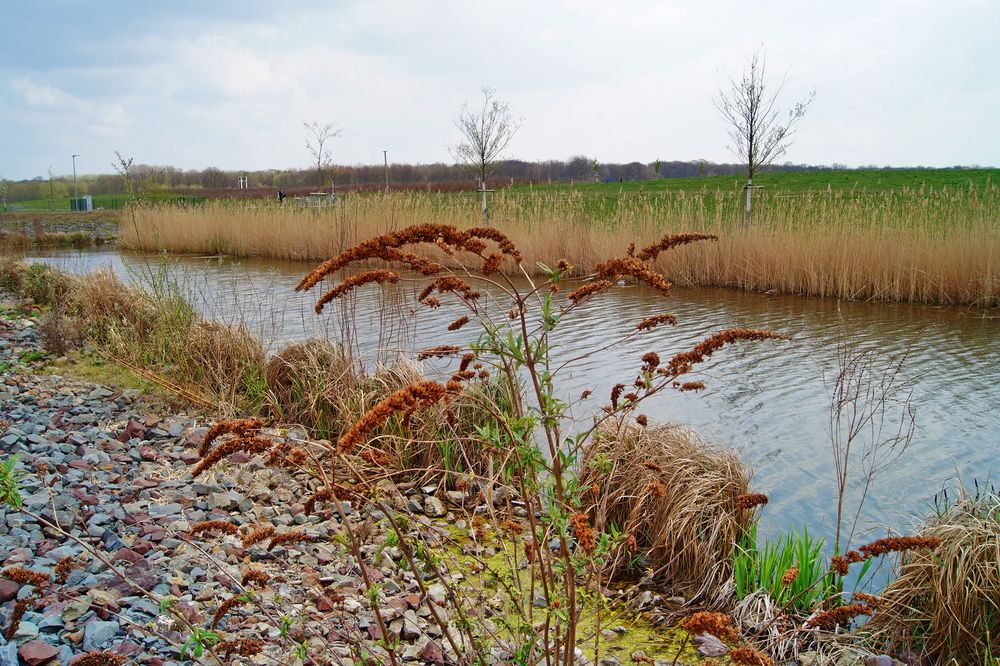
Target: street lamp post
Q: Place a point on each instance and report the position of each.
(385, 158)
(76, 204)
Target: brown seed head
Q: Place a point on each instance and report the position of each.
(223, 526)
(684, 361)
(613, 269)
(227, 605)
(257, 534)
(243, 647)
(94, 658)
(405, 400)
(745, 655)
(583, 531)
(246, 444)
(654, 321)
(238, 427)
(651, 252)
(719, 625)
(26, 576)
(655, 488)
(750, 500)
(258, 577)
(588, 290)
(839, 615)
(380, 276)
(897, 545)
(458, 323)
(789, 576)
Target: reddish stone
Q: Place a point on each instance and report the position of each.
(325, 603)
(413, 601)
(147, 483)
(374, 631)
(190, 457)
(432, 653)
(127, 648)
(79, 464)
(127, 555)
(142, 546)
(36, 653)
(8, 590)
(133, 429)
(147, 453)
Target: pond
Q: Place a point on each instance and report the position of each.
(771, 401)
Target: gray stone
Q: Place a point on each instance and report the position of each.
(433, 507)
(165, 509)
(98, 633)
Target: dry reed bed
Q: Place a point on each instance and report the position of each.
(932, 247)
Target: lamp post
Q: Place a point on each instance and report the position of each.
(385, 158)
(75, 205)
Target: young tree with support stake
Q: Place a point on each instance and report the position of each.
(486, 134)
(759, 131)
(317, 138)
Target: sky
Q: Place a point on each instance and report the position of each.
(229, 84)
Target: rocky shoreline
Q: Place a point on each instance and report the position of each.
(112, 469)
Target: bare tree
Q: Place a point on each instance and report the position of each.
(486, 134)
(317, 138)
(872, 421)
(759, 131)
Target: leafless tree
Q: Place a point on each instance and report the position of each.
(872, 421)
(485, 134)
(760, 132)
(317, 138)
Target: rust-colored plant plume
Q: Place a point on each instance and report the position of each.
(719, 625)
(94, 658)
(225, 607)
(244, 444)
(649, 323)
(405, 401)
(750, 500)
(238, 427)
(747, 656)
(243, 647)
(387, 248)
(584, 532)
(683, 362)
(897, 545)
(223, 526)
(26, 576)
(256, 576)
(257, 534)
(379, 276)
(839, 615)
(651, 252)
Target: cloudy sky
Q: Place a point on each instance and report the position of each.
(229, 84)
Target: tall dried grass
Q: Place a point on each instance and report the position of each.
(925, 246)
(677, 496)
(946, 602)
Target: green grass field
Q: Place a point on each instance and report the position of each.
(846, 180)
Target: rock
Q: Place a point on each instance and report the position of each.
(75, 609)
(36, 653)
(158, 510)
(432, 653)
(8, 655)
(880, 660)
(97, 633)
(710, 646)
(8, 590)
(433, 507)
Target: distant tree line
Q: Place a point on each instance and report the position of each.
(578, 168)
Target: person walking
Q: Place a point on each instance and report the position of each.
(281, 197)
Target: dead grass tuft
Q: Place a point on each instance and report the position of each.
(688, 528)
(946, 601)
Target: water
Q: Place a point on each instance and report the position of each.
(768, 400)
